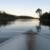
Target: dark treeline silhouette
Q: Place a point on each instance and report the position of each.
(25, 17)
(5, 18)
(43, 18)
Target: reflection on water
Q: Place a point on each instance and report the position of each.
(31, 40)
(4, 22)
(38, 27)
(40, 41)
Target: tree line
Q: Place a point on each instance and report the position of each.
(44, 16)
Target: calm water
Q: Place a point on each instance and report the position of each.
(19, 27)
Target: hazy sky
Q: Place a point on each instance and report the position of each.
(24, 7)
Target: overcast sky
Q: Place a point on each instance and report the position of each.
(24, 7)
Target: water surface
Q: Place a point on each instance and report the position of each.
(41, 41)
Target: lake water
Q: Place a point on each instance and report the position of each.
(18, 28)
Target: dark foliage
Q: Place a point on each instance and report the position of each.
(6, 18)
(45, 19)
(45, 16)
(25, 17)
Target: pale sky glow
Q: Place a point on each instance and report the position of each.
(24, 7)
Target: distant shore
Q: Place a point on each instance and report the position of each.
(8, 17)
(5, 18)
